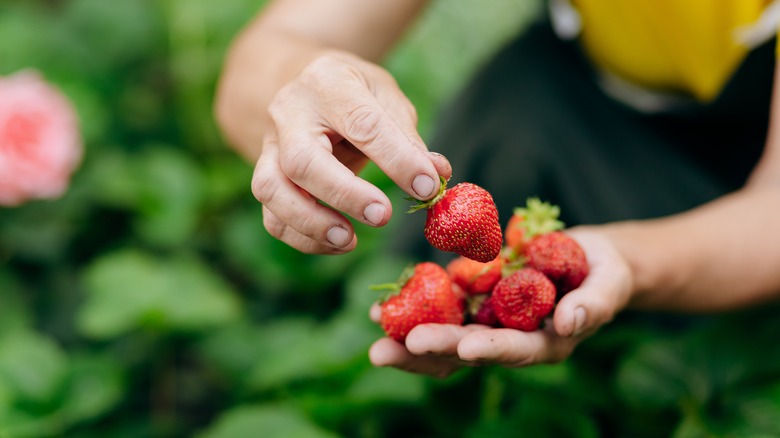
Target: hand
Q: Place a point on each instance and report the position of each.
(441, 349)
(326, 124)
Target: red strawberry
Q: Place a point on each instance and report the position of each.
(514, 233)
(482, 310)
(560, 258)
(523, 299)
(475, 277)
(535, 218)
(423, 294)
(463, 220)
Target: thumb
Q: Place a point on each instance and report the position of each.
(604, 292)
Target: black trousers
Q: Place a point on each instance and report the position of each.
(534, 122)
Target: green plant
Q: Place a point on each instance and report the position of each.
(149, 301)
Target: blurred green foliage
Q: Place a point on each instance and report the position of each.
(149, 301)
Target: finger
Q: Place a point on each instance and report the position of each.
(515, 348)
(375, 313)
(387, 352)
(442, 164)
(296, 209)
(306, 158)
(385, 136)
(603, 293)
(305, 244)
(439, 339)
(403, 112)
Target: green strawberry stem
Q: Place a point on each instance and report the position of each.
(428, 204)
(539, 217)
(381, 287)
(393, 288)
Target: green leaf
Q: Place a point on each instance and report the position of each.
(32, 367)
(94, 36)
(759, 413)
(131, 289)
(386, 385)
(22, 44)
(292, 349)
(162, 185)
(18, 423)
(661, 374)
(95, 385)
(171, 195)
(14, 312)
(268, 421)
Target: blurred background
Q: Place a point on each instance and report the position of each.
(150, 302)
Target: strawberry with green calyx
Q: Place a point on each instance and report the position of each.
(535, 218)
(523, 299)
(423, 294)
(560, 258)
(475, 277)
(464, 220)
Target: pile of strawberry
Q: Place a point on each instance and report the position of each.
(511, 281)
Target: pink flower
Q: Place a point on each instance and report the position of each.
(40, 142)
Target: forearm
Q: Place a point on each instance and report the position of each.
(722, 255)
(283, 40)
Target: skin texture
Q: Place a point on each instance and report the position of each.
(299, 96)
(303, 98)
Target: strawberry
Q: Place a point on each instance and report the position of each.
(475, 277)
(463, 220)
(560, 258)
(514, 233)
(523, 299)
(482, 310)
(423, 294)
(535, 218)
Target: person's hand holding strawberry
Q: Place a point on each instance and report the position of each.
(441, 349)
(307, 100)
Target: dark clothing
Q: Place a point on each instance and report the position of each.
(534, 122)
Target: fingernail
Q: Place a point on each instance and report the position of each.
(374, 213)
(338, 236)
(579, 321)
(423, 186)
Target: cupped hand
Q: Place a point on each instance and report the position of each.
(441, 349)
(326, 124)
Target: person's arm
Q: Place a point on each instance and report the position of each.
(723, 255)
(285, 38)
(301, 95)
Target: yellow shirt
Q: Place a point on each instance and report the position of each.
(686, 46)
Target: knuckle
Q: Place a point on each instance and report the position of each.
(274, 226)
(321, 71)
(319, 66)
(342, 197)
(363, 124)
(284, 233)
(263, 187)
(296, 163)
(279, 104)
(308, 226)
